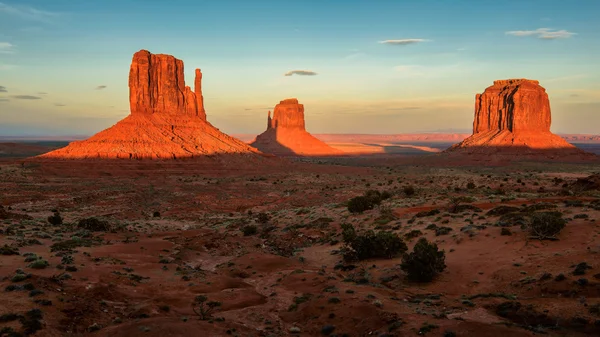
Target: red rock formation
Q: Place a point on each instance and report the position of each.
(156, 84)
(513, 116)
(286, 133)
(167, 119)
(288, 114)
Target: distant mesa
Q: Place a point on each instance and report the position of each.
(286, 133)
(167, 119)
(513, 116)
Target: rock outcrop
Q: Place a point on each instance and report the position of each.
(167, 119)
(513, 116)
(286, 133)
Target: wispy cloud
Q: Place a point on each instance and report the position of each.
(3, 89)
(28, 13)
(403, 42)
(100, 87)
(543, 33)
(6, 48)
(25, 97)
(59, 104)
(4, 100)
(42, 93)
(300, 72)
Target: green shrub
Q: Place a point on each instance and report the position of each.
(39, 264)
(368, 201)
(7, 250)
(371, 244)
(249, 230)
(360, 204)
(546, 225)
(409, 191)
(424, 262)
(55, 219)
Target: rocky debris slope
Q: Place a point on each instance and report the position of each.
(286, 133)
(167, 119)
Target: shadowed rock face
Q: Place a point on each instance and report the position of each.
(514, 116)
(156, 84)
(167, 119)
(286, 133)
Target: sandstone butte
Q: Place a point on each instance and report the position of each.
(286, 133)
(167, 119)
(514, 116)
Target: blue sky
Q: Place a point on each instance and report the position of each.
(64, 64)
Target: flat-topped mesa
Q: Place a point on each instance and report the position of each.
(515, 105)
(288, 114)
(512, 120)
(156, 85)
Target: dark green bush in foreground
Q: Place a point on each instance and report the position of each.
(371, 244)
(424, 262)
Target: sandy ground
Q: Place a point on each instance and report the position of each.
(175, 231)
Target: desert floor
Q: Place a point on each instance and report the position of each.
(171, 231)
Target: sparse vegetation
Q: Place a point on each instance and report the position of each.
(94, 224)
(204, 308)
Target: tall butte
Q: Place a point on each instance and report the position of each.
(167, 119)
(286, 133)
(513, 116)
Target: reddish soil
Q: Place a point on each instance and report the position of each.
(176, 231)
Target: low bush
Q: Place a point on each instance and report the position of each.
(546, 225)
(371, 244)
(424, 262)
(55, 219)
(249, 230)
(368, 201)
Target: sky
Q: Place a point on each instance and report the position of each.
(368, 66)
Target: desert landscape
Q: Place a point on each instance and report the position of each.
(163, 224)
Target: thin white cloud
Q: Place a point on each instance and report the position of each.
(403, 42)
(543, 33)
(300, 72)
(28, 13)
(6, 48)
